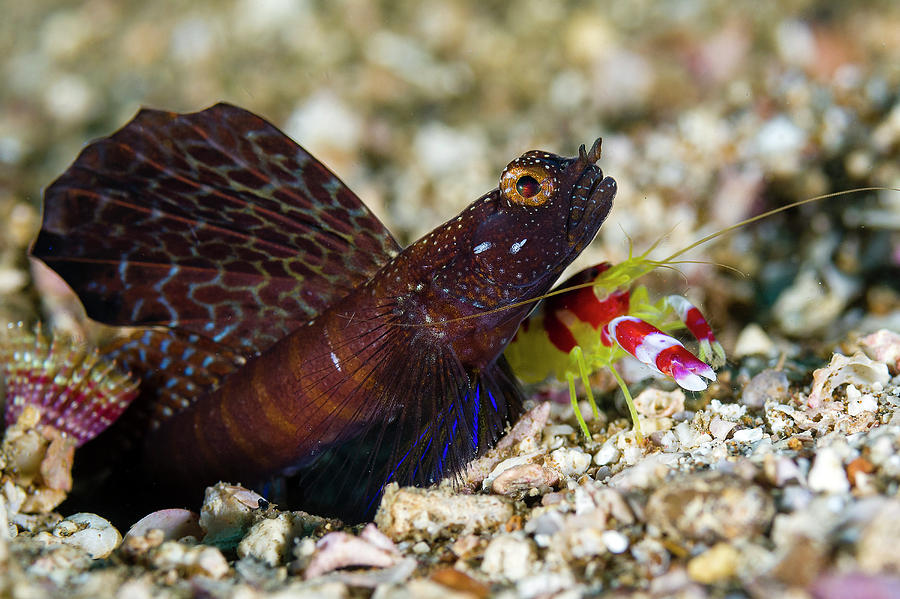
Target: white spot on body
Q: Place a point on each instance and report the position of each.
(514, 248)
(337, 363)
(484, 245)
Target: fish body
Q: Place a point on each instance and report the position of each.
(271, 359)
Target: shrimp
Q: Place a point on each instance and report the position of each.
(600, 316)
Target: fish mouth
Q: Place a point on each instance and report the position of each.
(591, 203)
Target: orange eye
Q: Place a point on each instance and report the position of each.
(528, 185)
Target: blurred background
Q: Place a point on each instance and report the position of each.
(710, 111)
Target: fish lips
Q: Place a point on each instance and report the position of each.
(590, 206)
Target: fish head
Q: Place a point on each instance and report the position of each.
(546, 210)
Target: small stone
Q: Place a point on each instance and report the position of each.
(89, 532)
(768, 385)
(857, 403)
(747, 435)
(801, 562)
(465, 546)
(877, 547)
(270, 539)
(190, 560)
(135, 545)
(174, 524)
(509, 556)
(652, 555)
(716, 564)
(38, 458)
(340, 550)
(857, 467)
(461, 582)
(425, 514)
(710, 507)
(780, 470)
(656, 403)
(608, 453)
(751, 341)
(884, 346)
(522, 438)
(856, 369)
(227, 513)
(503, 466)
(516, 481)
(827, 473)
(719, 428)
(726, 410)
(814, 300)
(615, 541)
(545, 525)
(56, 467)
(602, 503)
(579, 539)
(569, 461)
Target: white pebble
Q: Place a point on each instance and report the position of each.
(748, 435)
(727, 411)
(827, 474)
(608, 454)
(615, 541)
(857, 403)
(508, 555)
(655, 403)
(70, 98)
(190, 560)
(580, 542)
(268, 540)
(883, 345)
(90, 532)
(686, 434)
(720, 428)
(753, 340)
(570, 461)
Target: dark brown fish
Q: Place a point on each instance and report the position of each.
(286, 330)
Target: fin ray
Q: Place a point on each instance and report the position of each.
(433, 417)
(214, 222)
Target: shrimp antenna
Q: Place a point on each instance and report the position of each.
(769, 213)
(670, 259)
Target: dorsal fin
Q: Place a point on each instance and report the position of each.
(213, 222)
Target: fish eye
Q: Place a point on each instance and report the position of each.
(530, 184)
(527, 186)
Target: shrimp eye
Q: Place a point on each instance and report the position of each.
(530, 184)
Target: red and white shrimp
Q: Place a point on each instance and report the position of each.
(596, 325)
(598, 317)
